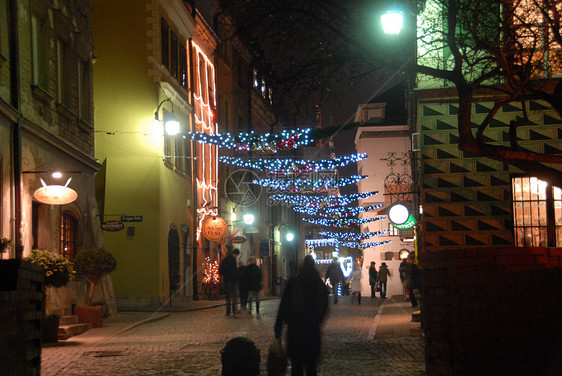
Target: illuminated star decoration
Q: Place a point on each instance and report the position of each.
(288, 139)
(292, 166)
(341, 222)
(316, 200)
(336, 211)
(351, 236)
(306, 185)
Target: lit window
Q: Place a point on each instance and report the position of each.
(392, 231)
(537, 213)
(68, 231)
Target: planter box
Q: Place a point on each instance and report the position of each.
(90, 314)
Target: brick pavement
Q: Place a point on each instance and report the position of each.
(377, 337)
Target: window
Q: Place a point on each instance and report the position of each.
(64, 90)
(84, 109)
(392, 231)
(165, 41)
(174, 55)
(537, 213)
(40, 51)
(183, 66)
(68, 231)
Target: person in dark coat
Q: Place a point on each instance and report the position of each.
(228, 270)
(373, 274)
(382, 278)
(253, 284)
(413, 280)
(303, 307)
(243, 284)
(335, 275)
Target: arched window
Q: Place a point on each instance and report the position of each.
(68, 231)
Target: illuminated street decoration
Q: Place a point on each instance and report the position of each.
(288, 139)
(363, 245)
(336, 211)
(207, 154)
(299, 185)
(292, 166)
(333, 242)
(315, 200)
(351, 236)
(341, 222)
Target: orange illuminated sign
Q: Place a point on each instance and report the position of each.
(215, 228)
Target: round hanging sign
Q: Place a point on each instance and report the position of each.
(410, 223)
(214, 228)
(55, 195)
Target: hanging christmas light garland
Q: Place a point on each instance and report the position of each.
(315, 200)
(361, 245)
(292, 166)
(352, 236)
(296, 185)
(341, 222)
(288, 139)
(336, 212)
(337, 243)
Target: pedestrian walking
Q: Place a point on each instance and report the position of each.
(413, 280)
(243, 284)
(403, 271)
(229, 273)
(373, 274)
(253, 280)
(303, 307)
(355, 283)
(382, 278)
(335, 275)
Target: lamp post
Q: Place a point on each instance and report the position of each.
(393, 22)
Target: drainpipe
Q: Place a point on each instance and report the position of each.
(16, 127)
(194, 263)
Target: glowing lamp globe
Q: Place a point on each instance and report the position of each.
(398, 214)
(392, 22)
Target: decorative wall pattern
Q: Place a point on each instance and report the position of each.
(467, 199)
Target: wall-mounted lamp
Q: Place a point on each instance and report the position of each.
(290, 236)
(171, 123)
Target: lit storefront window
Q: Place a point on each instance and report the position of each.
(537, 213)
(68, 230)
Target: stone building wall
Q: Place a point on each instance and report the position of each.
(493, 311)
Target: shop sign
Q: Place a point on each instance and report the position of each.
(55, 194)
(112, 226)
(410, 223)
(131, 218)
(214, 228)
(238, 239)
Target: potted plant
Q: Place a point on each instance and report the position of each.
(58, 272)
(93, 264)
(5, 243)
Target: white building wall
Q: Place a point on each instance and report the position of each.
(378, 142)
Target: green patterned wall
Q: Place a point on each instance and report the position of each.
(467, 199)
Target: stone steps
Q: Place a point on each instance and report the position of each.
(69, 326)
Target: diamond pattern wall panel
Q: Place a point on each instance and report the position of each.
(467, 198)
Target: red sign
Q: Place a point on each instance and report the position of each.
(238, 239)
(112, 226)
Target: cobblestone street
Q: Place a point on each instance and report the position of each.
(358, 340)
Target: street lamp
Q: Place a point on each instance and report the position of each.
(290, 236)
(171, 123)
(392, 22)
(248, 219)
